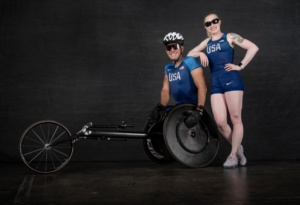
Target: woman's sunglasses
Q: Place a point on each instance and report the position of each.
(174, 46)
(208, 23)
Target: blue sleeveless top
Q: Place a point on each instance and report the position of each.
(219, 53)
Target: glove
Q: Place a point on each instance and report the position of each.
(157, 113)
(193, 118)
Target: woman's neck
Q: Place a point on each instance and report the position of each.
(216, 36)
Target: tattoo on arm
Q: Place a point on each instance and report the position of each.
(236, 37)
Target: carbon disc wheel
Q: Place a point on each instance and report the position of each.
(193, 147)
(36, 152)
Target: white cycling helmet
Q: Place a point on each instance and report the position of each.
(173, 37)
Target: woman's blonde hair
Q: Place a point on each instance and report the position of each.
(209, 34)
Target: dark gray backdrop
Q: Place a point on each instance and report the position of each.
(78, 61)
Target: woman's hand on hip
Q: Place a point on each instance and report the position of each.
(229, 67)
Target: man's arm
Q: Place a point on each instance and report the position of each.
(160, 109)
(195, 116)
(165, 92)
(199, 81)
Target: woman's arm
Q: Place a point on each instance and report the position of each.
(197, 52)
(245, 44)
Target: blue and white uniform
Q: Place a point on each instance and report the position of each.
(219, 53)
(183, 88)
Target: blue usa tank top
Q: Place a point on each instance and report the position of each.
(219, 53)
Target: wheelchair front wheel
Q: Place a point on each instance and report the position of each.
(36, 152)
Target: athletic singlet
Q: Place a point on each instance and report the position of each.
(219, 53)
(183, 88)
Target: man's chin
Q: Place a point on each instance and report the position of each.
(174, 59)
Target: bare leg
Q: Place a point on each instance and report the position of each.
(234, 100)
(219, 108)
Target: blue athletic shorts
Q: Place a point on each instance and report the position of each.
(223, 81)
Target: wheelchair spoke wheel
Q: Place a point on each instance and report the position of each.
(36, 152)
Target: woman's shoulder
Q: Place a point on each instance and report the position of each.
(206, 40)
(232, 35)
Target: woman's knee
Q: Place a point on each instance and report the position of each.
(235, 119)
(221, 123)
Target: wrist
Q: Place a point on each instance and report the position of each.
(200, 107)
(241, 66)
(161, 106)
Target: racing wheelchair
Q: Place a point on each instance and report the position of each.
(47, 146)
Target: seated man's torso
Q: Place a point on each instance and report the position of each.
(183, 88)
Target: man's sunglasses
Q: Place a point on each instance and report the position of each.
(208, 23)
(174, 46)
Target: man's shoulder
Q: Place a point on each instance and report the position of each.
(169, 65)
(188, 59)
(191, 62)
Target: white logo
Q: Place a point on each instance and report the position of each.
(174, 76)
(229, 83)
(213, 48)
(221, 41)
(173, 36)
(169, 69)
(182, 67)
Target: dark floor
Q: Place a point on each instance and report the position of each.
(261, 182)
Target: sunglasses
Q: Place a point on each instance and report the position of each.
(208, 23)
(174, 46)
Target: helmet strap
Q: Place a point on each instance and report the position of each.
(174, 62)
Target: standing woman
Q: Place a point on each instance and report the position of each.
(227, 87)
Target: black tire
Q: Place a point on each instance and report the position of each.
(156, 148)
(34, 150)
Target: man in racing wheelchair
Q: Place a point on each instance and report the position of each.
(188, 134)
(184, 79)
